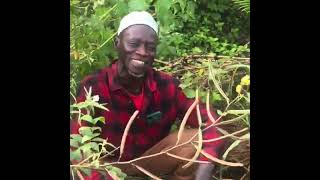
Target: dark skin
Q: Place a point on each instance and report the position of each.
(138, 43)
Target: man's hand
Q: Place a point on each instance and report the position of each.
(204, 172)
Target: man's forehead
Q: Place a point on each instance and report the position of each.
(139, 30)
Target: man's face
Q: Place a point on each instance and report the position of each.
(137, 49)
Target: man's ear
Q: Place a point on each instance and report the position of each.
(117, 42)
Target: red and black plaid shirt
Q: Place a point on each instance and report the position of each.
(161, 94)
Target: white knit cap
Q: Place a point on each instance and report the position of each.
(138, 17)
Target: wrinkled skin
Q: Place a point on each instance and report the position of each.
(135, 44)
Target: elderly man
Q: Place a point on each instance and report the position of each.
(130, 84)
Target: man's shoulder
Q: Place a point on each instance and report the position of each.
(96, 76)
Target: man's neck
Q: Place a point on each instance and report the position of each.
(128, 82)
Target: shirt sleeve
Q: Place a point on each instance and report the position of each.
(212, 148)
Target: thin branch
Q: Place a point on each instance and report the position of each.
(126, 130)
(163, 62)
(72, 173)
(199, 135)
(231, 120)
(223, 137)
(208, 110)
(186, 159)
(147, 172)
(219, 160)
(185, 118)
(80, 175)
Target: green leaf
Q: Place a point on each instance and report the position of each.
(95, 128)
(76, 137)
(95, 134)
(87, 118)
(216, 96)
(117, 171)
(101, 119)
(94, 146)
(138, 5)
(163, 12)
(86, 148)
(196, 50)
(98, 139)
(85, 131)
(122, 9)
(74, 143)
(190, 93)
(75, 155)
(86, 138)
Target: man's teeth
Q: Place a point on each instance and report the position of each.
(138, 62)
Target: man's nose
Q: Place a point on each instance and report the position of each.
(142, 50)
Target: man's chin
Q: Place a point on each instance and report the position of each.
(136, 75)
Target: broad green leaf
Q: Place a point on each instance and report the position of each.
(87, 118)
(100, 11)
(75, 155)
(74, 143)
(94, 146)
(185, 85)
(95, 134)
(190, 93)
(216, 96)
(122, 8)
(76, 137)
(137, 5)
(118, 172)
(163, 13)
(85, 131)
(196, 50)
(95, 128)
(86, 138)
(86, 148)
(101, 119)
(97, 139)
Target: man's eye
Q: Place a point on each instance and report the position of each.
(151, 48)
(133, 44)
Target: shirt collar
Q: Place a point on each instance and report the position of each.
(114, 82)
